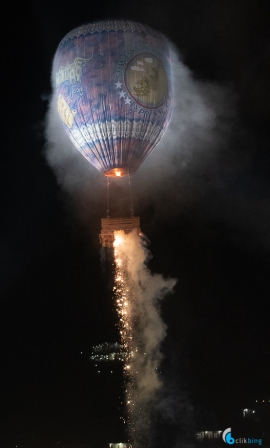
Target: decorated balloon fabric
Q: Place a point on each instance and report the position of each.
(113, 84)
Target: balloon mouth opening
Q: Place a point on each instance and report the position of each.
(116, 172)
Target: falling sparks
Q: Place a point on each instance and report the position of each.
(124, 301)
(137, 293)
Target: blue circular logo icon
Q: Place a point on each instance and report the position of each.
(227, 436)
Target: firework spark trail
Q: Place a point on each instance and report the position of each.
(142, 330)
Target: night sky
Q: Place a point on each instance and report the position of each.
(56, 299)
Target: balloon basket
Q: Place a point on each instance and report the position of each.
(110, 225)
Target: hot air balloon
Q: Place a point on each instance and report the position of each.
(112, 79)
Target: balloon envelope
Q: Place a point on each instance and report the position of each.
(113, 84)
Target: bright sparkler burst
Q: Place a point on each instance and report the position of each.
(137, 294)
(124, 304)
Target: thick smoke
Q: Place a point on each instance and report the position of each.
(78, 178)
(198, 130)
(145, 291)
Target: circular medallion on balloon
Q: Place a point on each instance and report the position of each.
(146, 80)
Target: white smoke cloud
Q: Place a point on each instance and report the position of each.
(139, 62)
(84, 184)
(148, 60)
(198, 131)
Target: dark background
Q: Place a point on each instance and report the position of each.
(55, 295)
